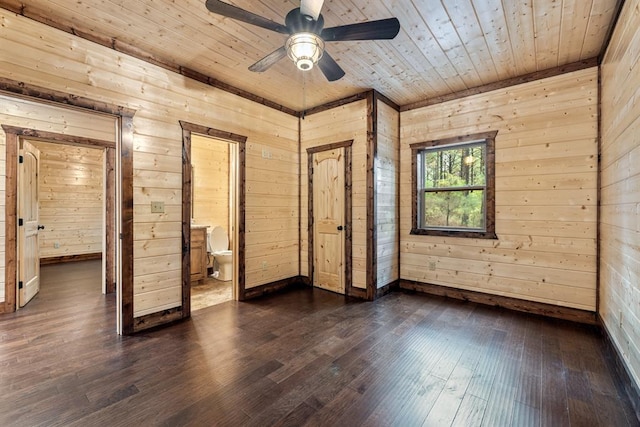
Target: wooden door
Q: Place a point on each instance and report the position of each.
(329, 219)
(28, 258)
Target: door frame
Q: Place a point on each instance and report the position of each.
(348, 287)
(14, 136)
(123, 202)
(239, 209)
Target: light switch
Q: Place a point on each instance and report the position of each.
(157, 207)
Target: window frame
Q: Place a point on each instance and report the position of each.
(486, 138)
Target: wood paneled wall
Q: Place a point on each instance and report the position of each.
(71, 184)
(43, 56)
(620, 189)
(387, 175)
(210, 160)
(44, 117)
(546, 193)
(338, 124)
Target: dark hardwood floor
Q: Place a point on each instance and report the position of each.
(306, 357)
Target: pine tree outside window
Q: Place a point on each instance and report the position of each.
(454, 186)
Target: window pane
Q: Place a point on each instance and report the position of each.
(455, 209)
(454, 167)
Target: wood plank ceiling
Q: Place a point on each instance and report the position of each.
(444, 46)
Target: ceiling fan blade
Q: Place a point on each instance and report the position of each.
(330, 68)
(311, 8)
(233, 12)
(383, 29)
(265, 63)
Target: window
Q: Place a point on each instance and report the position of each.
(453, 186)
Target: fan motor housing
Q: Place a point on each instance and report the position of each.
(297, 22)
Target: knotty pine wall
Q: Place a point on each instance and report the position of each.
(71, 182)
(387, 174)
(40, 55)
(620, 189)
(339, 124)
(546, 193)
(43, 117)
(210, 160)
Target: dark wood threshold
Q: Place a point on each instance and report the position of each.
(539, 308)
(387, 289)
(270, 288)
(70, 258)
(160, 318)
(617, 364)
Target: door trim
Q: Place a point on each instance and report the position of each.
(239, 255)
(13, 136)
(348, 288)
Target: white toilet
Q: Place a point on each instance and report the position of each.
(223, 258)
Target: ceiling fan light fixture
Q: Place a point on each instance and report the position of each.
(304, 49)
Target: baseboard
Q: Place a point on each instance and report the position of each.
(70, 258)
(272, 287)
(161, 318)
(617, 364)
(387, 289)
(357, 293)
(549, 310)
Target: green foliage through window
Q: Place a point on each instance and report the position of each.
(452, 187)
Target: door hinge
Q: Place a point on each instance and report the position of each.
(20, 285)
(120, 236)
(20, 222)
(20, 159)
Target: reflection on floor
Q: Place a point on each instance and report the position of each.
(210, 292)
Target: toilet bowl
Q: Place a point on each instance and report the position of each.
(222, 256)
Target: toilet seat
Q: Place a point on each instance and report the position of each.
(219, 240)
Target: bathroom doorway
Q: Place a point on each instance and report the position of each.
(213, 221)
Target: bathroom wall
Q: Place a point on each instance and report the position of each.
(211, 202)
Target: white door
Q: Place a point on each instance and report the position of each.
(28, 259)
(329, 219)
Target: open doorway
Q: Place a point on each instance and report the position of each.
(194, 256)
(213, 225)
(66, 218)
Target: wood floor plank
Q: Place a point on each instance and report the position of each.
(304, 357)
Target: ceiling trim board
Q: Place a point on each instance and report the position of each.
(537, 75)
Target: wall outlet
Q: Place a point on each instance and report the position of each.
(56, 245)
(264, 265)
(431, 265)
(157, 207)
(266, 154)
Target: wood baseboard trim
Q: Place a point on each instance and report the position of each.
(357, 293)
(387, 289)
(613, 356)
(272, 287)
(70, 258)
(158, 319)
(542, 309)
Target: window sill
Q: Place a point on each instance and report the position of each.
(454, 233)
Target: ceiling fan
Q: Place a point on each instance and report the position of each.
(307, 35)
